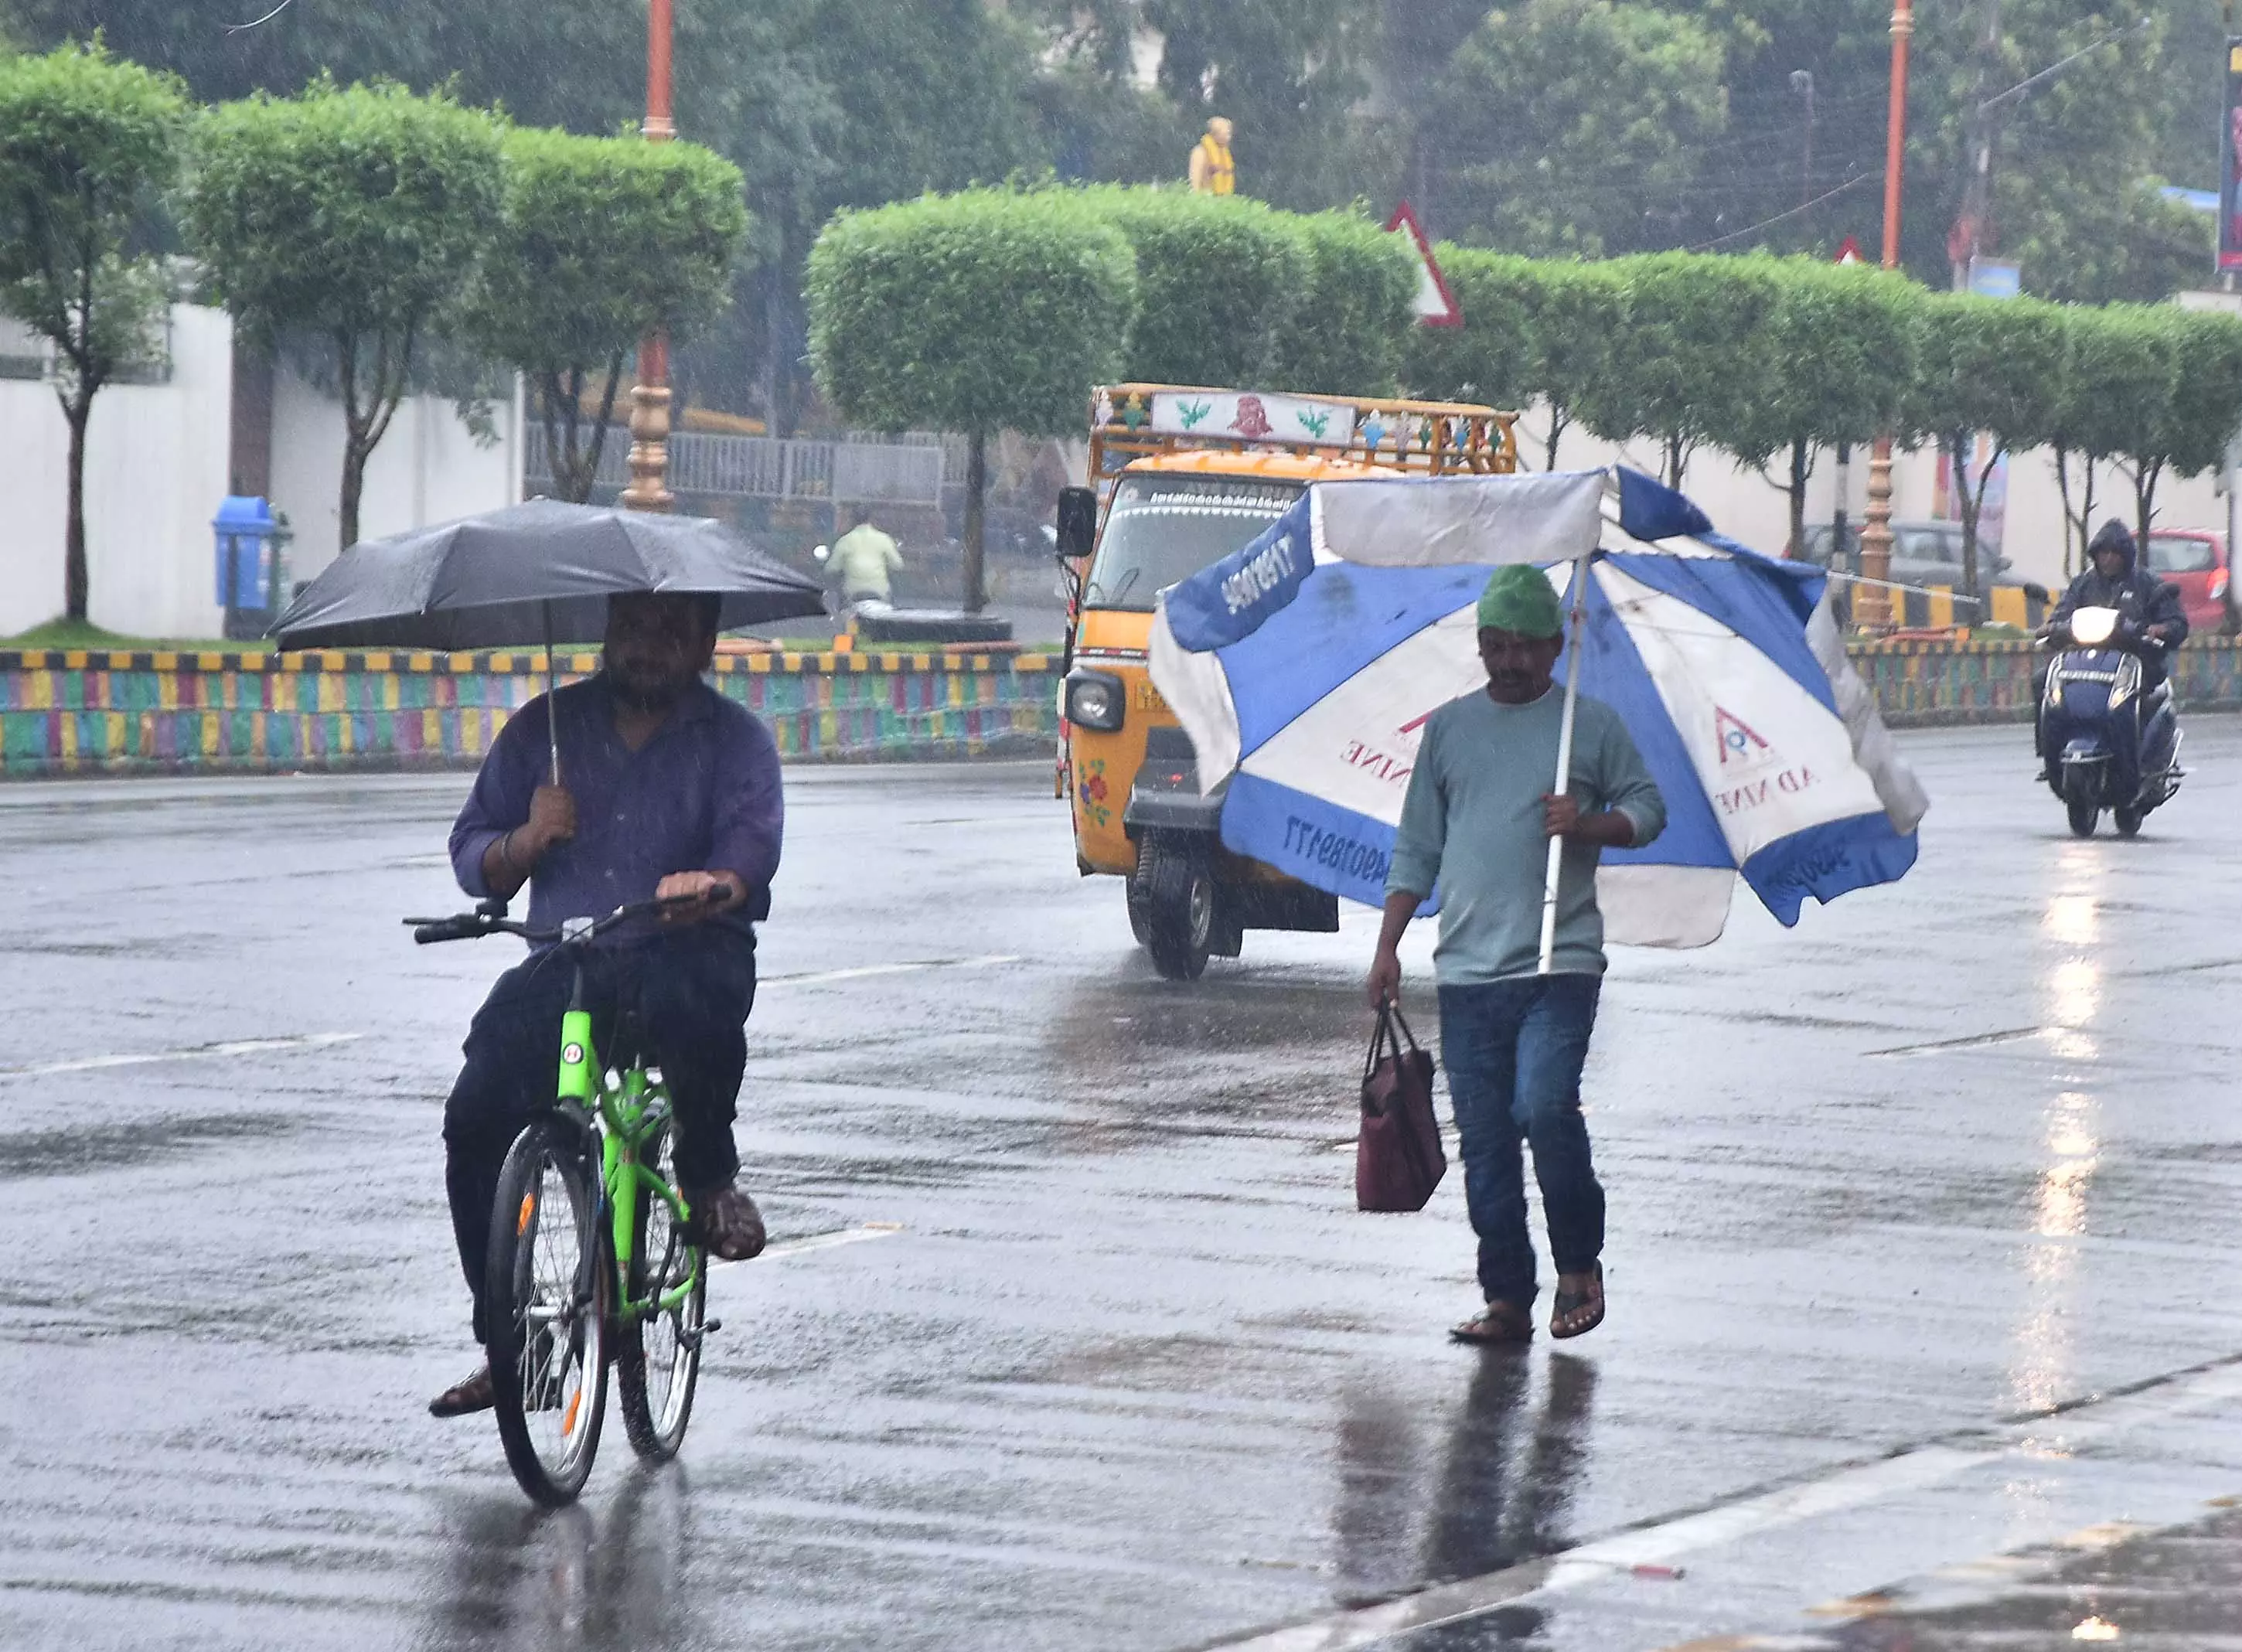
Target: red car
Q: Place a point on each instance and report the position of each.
(2194, 561)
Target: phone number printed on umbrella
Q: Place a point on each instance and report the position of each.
(1348, 856)
(1259, 577)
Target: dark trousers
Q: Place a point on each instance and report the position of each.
(1514, 1051)
(688, 995)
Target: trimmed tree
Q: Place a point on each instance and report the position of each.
(600, 242)
(1993, 368)
(2201, 416)
(1490, 358)
(1346, 335)
(1694, 357)
(983, 311)
(354, 214)
(87, 142)
(2118, 389)
(1220, 277)
(1842, 352)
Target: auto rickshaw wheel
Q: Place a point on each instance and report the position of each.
(1140, 915)
(1179, 898)
(2084, 813)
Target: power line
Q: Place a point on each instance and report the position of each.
(1804, 206)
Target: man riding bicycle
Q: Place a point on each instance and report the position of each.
(671, 791)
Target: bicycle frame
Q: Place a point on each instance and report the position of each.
(624, 1111)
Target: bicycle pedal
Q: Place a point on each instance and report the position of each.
(694, 1338)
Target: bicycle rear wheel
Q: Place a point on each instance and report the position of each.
(658, 1359)
(544, 1299)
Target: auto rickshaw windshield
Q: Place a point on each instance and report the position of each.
(1166, 528)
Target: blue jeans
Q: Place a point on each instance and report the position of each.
(1514, 1050)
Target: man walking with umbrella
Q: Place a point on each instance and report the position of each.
(668, 790)
(1477, 821)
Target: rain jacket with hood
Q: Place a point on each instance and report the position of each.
(2142, 598)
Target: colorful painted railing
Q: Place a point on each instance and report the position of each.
(87, 712)
(1921, 684)
(65, 712)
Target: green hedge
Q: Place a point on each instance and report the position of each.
(1219, 280)
(1346, 334)
(979, 311)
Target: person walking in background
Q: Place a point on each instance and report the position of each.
(864, 559)
(1477, 823)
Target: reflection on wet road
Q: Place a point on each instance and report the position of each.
(1126, 1369)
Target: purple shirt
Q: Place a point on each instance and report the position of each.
(703, 796)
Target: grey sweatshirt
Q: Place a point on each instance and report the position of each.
(1472, 822)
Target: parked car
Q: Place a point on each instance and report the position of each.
(1923, 555)
(2194, 561)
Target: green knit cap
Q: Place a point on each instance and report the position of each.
(1520, 598)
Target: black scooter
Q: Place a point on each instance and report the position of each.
(2107, 742)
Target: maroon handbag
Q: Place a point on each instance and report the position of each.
(1398, 1157)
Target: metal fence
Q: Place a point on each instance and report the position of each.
(846, 472)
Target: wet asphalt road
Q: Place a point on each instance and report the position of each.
(1129, 1371)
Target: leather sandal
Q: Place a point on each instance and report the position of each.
(728, 1222)
(465, 1398)
(1498, 1324)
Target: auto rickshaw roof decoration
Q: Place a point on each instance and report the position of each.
(1133, 421)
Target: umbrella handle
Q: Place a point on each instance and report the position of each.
(1556, 864)
(551, 693)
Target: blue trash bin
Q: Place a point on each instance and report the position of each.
(248, 565)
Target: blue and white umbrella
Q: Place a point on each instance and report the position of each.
(1305, 665)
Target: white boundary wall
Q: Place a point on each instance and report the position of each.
(428, 468)
(156, 468)
(157, 463)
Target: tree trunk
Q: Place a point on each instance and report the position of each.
(355, 456)
(976, 483)
(76, 583)
(1557, 423)
(1800, 469)
(1677, 457)
(1958, 461)
(2063, 497)
(2146, 476)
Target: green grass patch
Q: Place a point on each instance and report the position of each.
(80, 633)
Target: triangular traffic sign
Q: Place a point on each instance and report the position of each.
(1435, 306)
(1848, 252)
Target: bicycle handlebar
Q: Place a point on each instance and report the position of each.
(472, 926)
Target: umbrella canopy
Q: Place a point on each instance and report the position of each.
(533, 572)
(1304, 666)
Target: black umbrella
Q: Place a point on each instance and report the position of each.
(522, 576)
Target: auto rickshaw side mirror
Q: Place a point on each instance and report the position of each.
(1077, 522)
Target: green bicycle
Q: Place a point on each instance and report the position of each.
(594, 1256)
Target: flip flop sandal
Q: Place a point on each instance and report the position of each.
(1570, 1304)
(1497, 1325)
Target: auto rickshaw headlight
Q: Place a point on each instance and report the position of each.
(1096, 701)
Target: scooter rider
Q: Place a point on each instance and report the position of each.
(2147, 607)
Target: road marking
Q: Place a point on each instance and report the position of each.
(194, 1052)
(827, 1241)
(864, 972)
(1661, 1544)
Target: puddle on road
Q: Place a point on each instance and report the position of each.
(86, 1148)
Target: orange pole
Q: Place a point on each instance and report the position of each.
(1872, 605)
(1903, 28)
(649, 419)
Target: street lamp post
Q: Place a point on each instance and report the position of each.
(1872, 603)
(649, 418)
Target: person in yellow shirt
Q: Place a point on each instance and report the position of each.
(1212, 172)
(863, 560)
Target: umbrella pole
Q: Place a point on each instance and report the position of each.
(1564, 763)
(552, 689)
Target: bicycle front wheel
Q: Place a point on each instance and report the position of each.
(658, 1362)
(545, 1300)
